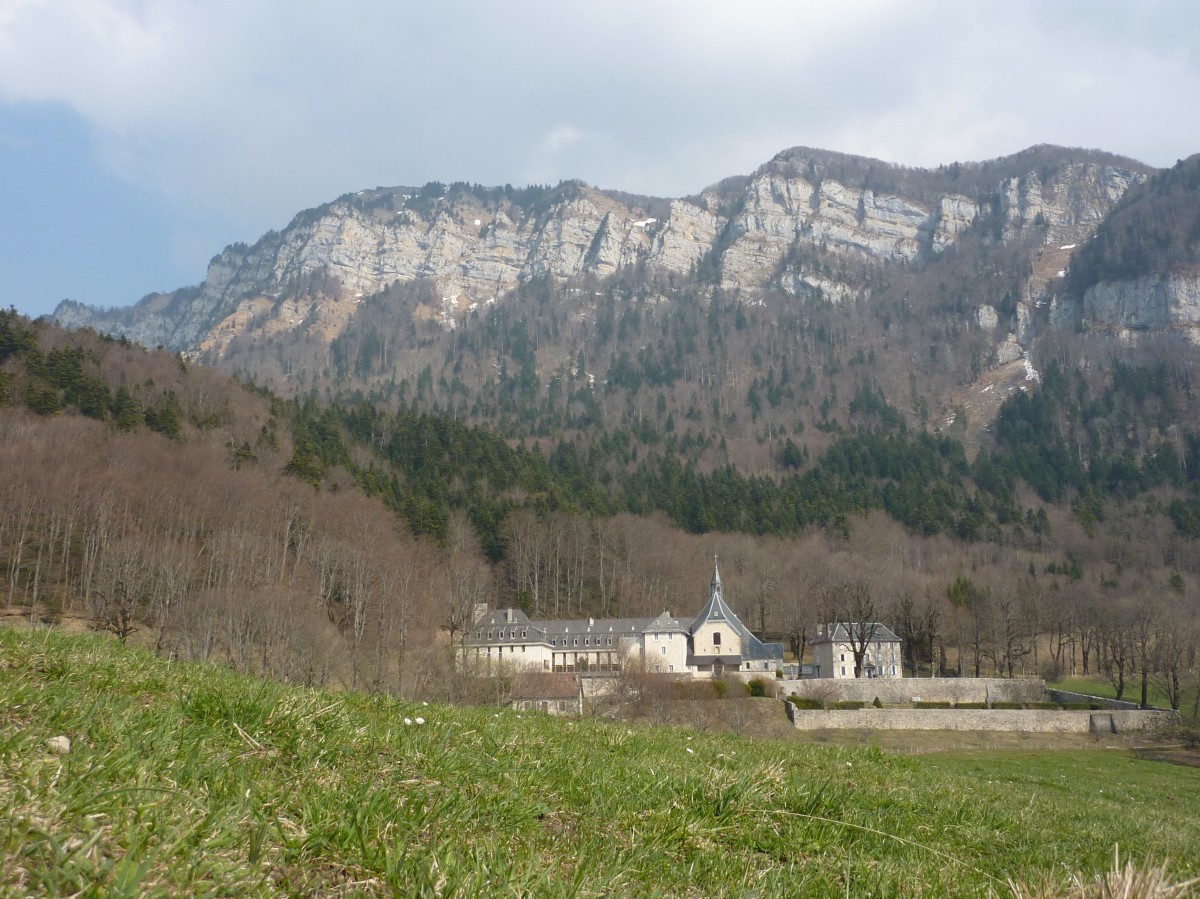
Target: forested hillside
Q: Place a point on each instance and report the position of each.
(327, 541)
(1154, 230)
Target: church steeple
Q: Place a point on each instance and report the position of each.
(716, 608)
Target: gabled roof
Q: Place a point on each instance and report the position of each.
(666, 623)
(504, 618)
(717, 610)
(837, 633)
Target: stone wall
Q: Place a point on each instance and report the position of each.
(1020, 720)
(1064, 697)
(898, 691)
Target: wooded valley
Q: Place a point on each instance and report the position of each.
(344, 543)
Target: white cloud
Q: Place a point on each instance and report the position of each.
(257, 109)
(561, 137)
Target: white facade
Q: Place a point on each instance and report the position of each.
(833, 652)
(715, 643)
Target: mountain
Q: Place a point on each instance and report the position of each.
(1141, 270)
(937, 282)
(476, 243)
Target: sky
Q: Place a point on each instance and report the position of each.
(139, 137)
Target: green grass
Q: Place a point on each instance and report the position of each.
(1096, 686)
(191, 780)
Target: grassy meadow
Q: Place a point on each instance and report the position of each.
(192, 780)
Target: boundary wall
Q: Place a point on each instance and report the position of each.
(1064, 697)
(903, 690)
(1027, 720)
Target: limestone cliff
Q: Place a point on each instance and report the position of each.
(473, 244)
(1168, 303)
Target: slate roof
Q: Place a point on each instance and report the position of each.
(837, 633)
(753, 649)
(505, 626)
(716, 610)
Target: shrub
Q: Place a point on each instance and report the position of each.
(939, 704)
(757, 687)
(719, 687)
(804, 702)
(877, 703)
(970, 705)
(846, 704)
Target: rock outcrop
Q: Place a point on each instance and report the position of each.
(1169, 303)
(474, 244)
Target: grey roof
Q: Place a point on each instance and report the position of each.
(504, 618)
(667, 623)
(717, 610)
(612, 626)
(837, 632)
(755, 649)
(514, 626)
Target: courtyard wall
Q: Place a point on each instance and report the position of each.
(1018, 720)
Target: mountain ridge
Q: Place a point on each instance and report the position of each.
(929, 278)
(373, 238)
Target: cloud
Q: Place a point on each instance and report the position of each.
(248, 112)
(561, 137)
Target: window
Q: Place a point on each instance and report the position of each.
(664, 650)
(843, 671)
(716, 638)
(842, 659)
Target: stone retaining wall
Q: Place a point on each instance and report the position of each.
(1064, 697)
(1021, 720)
(903, 690)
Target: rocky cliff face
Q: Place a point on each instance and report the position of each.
(475, 244)
(1155, 303)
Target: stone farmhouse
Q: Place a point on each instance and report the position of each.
(713, 644)
(833, 650)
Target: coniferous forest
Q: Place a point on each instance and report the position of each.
(330, 540)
